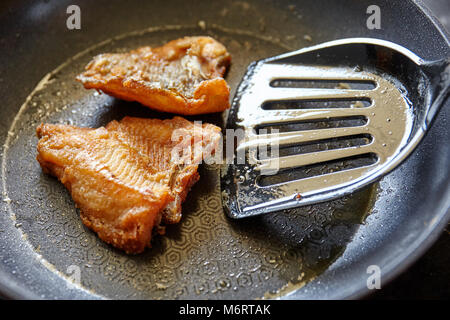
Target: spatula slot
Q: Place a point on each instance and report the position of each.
(317, 169)
(354, 121)
(324, 84)
(316, 146)
(317, 104)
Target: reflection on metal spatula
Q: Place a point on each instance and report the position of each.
(332, 118)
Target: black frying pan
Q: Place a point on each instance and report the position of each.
(320, 251)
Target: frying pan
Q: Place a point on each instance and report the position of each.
(315, 252)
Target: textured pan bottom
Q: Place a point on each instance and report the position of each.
(207, 255)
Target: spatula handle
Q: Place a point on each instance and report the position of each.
(439, 74)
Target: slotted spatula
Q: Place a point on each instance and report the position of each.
(324, 121)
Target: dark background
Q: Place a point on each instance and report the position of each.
(429, 277)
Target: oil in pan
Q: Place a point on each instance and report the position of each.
(206, 255)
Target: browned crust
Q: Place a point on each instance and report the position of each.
(111, 220)
(118, 212)
(210, 95)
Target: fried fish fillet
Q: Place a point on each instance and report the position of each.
(129, 176)
(183, 76)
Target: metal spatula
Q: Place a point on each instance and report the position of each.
(324, 121)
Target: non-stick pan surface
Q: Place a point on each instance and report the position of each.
(320, 251)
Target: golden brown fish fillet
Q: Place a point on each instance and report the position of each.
(128, 176)
(183, 76)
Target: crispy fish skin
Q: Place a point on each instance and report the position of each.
(120, 176)
(184, 76)
(157, 140)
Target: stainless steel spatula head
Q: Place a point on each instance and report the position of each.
(322, 122)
